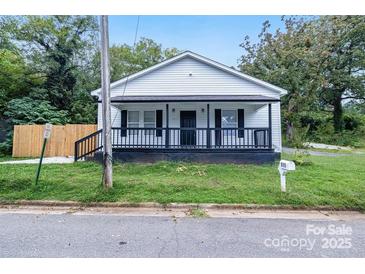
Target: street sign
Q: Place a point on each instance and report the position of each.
(47, 131)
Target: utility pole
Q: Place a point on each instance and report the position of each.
(105, 92)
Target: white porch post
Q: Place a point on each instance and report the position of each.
(270, 126)
(208, 126)
(167, 134)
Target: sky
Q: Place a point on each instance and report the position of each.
(216, 37)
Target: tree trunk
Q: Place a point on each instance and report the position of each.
(289, 131)
(338, 113)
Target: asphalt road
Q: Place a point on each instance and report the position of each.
(69, 235)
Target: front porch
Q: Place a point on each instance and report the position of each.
(200, 128)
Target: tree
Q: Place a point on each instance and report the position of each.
(285, 58)
(341, 53)
(126, 60)
(58, 48)
(49, 65)
(14, 77)
(319, 60)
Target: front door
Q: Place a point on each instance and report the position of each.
(187, 125)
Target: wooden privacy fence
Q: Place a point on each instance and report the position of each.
(28, 139)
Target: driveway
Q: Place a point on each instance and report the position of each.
(317, 153)
(62, 234)
(46, 160)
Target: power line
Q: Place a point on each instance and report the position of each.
(133, 51)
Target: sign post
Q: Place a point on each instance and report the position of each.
(46, 135)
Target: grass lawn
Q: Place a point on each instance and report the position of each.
(337, 181)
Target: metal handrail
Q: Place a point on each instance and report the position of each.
(88, 145)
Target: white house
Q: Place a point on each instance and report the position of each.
(191, 107)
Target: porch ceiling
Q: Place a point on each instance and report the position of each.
(193, 98)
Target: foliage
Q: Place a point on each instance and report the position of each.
(300, 136)
(49, 65)
(15, 78)
(284, 58)
(6, 146)
(319, 60)
(313, 120)
(329, 181)
(29, 111)
(327, 135)
(126, 60)
(317, 127)
(355, 106)
(45, 72)
(302, 158)
(57, 48)
(83, 109)
(341, 61)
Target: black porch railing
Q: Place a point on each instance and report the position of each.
(88, 145)
(177, 139)
(191, 138)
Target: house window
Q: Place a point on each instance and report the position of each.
(133, 121)
(229, 120)
(149, 119)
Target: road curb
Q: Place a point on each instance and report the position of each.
(51, 203)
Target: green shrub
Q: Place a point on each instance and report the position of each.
(352, 121)
(325, 134)
(6, 146)
(317, 127)
(313, 120)
(299, 138)
(302, 158)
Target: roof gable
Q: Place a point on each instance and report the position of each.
(198, 58)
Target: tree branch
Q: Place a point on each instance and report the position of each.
(353, 97)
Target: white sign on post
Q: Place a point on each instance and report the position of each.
(284, 167)
(47, 131)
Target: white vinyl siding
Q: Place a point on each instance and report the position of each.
(174, 79)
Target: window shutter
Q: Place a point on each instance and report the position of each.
(241, 123)
(218, 124)
(123, 123)
(159, 123)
